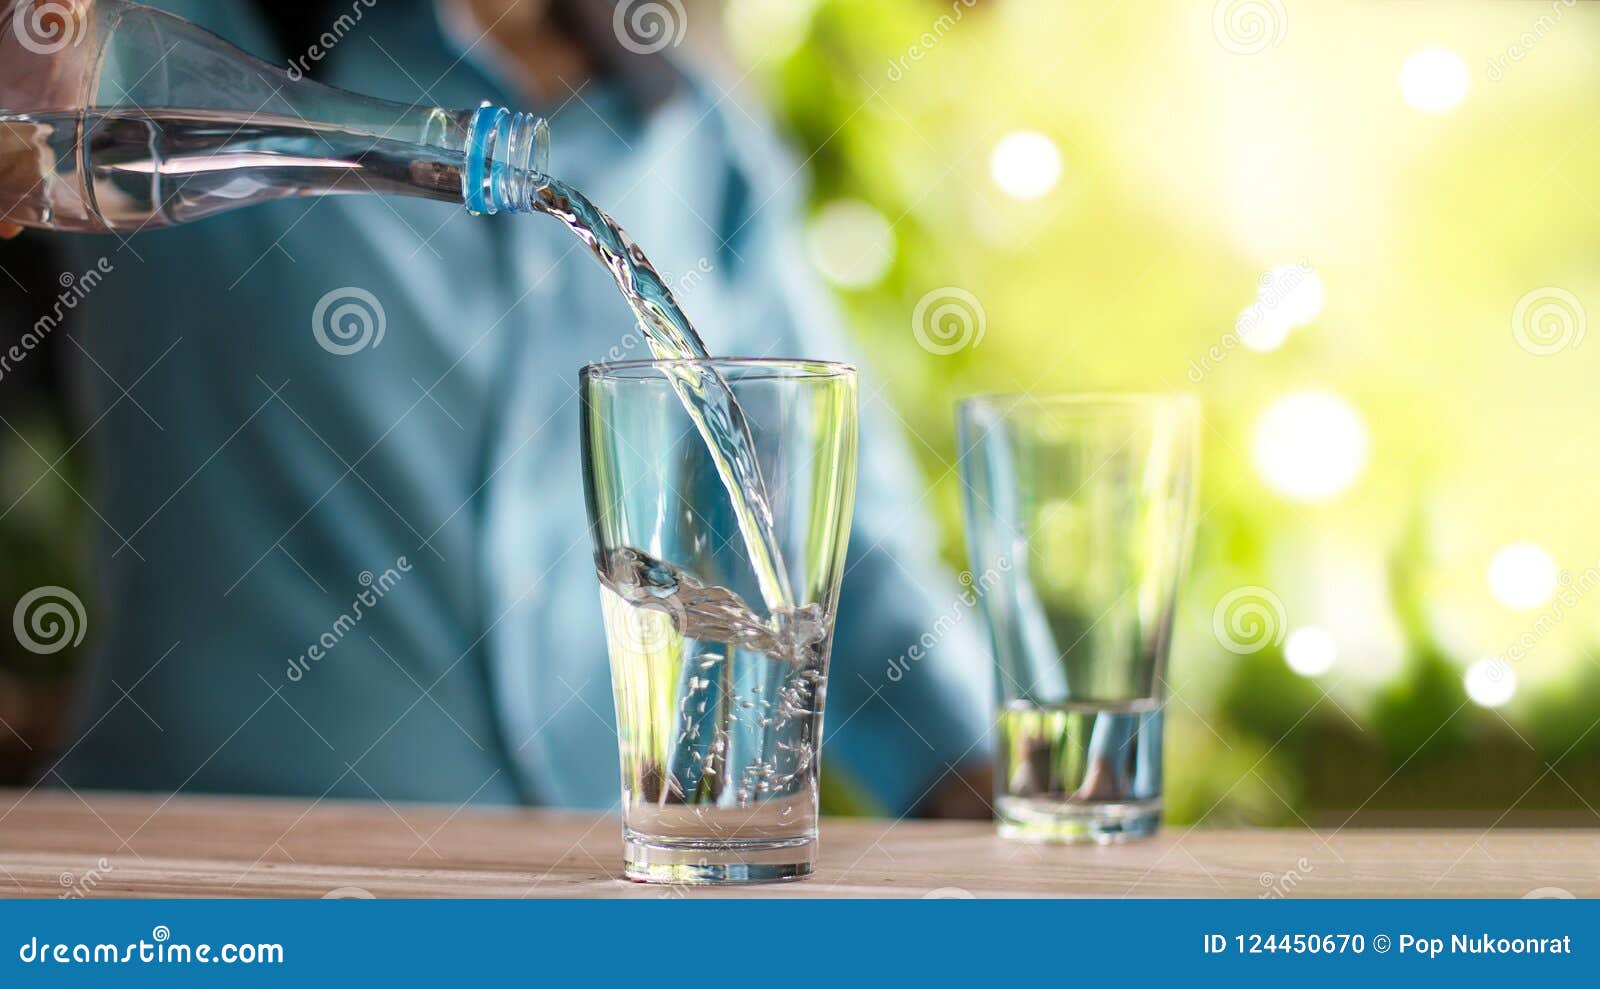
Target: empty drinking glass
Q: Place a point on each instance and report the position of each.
(1082, 509)
(719, 609)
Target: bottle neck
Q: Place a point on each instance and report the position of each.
(506, 155)
(489, 159)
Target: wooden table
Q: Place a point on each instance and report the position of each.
(103, 844)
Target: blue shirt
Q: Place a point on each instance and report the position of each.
(258, 494)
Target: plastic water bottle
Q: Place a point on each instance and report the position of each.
(115, 116)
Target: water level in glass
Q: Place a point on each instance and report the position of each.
(1080, 771)
(719, 716)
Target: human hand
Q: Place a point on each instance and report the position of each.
(38, 67)
(19, 177)
(19, 170)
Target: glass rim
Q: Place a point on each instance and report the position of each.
(1087, 401)
(782, 368)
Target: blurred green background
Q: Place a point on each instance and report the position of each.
(1383, 218)
(1364, 233)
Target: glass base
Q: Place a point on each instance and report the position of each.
(1045, 821)
(688, 862)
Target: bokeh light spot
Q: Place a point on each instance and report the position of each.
(768, 29)
(850, 243)
(1310, 445)
(1288, 296)
(1261, 329)
(1310, 651)
(1434, 80)
(1025, 164)
(1296, 291)
(1490, 682)
(1522, 576)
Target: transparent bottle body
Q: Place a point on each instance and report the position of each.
(115, 116)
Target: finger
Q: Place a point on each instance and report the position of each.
(9, 230)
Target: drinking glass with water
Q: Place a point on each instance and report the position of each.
(719, 584)
(1083, 508)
